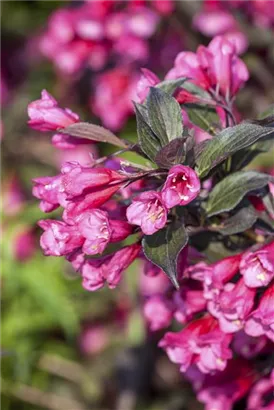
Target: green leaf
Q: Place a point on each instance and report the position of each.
(204, 117)
(164, 247)
(94, 133)
(228, 193)
(196, 90)
(165, 116)
(169, 86)
(173, 153)
(240, 222)
(148, 141)
(229, 141)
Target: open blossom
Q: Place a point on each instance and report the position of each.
(157, 311)
(257, 267)
(261, 321)
(59, 238)
(232, 306)
(181, 187)
(148, 211)
(200, 342)
(97, 272)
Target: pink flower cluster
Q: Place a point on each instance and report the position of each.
(99, 34)
(217, 69)
(218, 17)
(91, 219)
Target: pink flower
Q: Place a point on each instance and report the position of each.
(59, 238)
(216, 67)
(261, 396)
(248, 346)
(214, 22)
(261, 321)
(148, 79)
(97, 272)
(94, 226)
(232, 306)
(221, 390)
(142, 22)
(49, 190)
(148, 211)
(157, 312)
(45, 114)
(181, 187)
(214, 276)
(201, 342)
(93, 339)
(188, 300)
(153, 285)
(120, 230)
(257, 267)
(115, 90)
(12, 196)
(77, 179)
(23, 244)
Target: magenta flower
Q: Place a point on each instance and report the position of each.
(201, 342)
(46, 115)
(261, 321)
(257, 267)
(97, 272)
(214, 276)
(120, 230)
(59, 238)
(232, 306)
(148, 79)
(181, 187)
(158, 312)
(153, 285)
(23, 243)
(77, 178)
(148, 211)
(221, 390)
(49, 190)
(188, 300)
(94, 226)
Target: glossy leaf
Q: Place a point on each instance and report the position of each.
(165, 116)
(148, 141)
(240, 222)
(228, 193)
(229, 141)
(164, 247)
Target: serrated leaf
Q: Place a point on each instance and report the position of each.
(229, 141)
(172, 154)
(164, 247)
(148, 141)
(165, 115)
(228, 193)
(94, 133)
(244, 219)
(169, 86)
